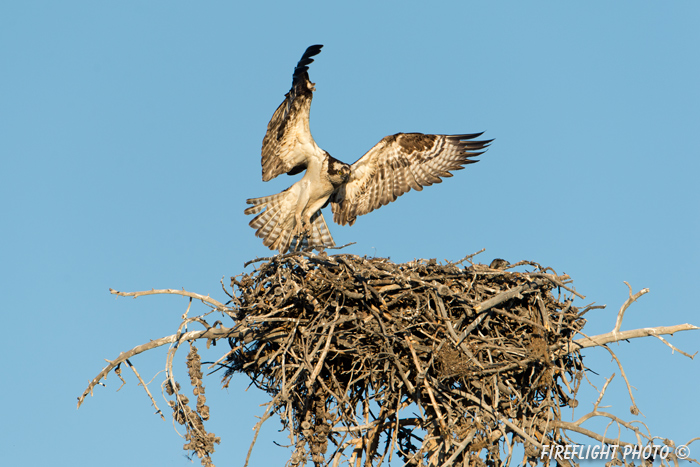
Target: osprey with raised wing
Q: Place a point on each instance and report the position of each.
(391, 168)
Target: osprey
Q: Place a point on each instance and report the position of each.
(391, 168)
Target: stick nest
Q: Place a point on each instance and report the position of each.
(364, 358)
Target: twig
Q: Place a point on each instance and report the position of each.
(675, 348)
(462, 363)
(602, 392)
(628, 302)
(211, 333)
(145, 386)
(469, 257)
(634, 409)
(613, 336)
(467, 439)
(204, 299)
(322, 358)
(433, 402)
(306, 253)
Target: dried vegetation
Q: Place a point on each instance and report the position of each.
(366, 361)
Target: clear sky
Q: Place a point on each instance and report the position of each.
(130, 137)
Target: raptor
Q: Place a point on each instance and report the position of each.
(395, 165)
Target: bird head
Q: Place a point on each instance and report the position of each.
(338, 172)
(345, 172)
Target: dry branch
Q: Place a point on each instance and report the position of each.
(438, 364)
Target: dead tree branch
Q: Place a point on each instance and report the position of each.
(438, 364)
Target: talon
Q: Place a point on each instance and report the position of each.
(301, 230)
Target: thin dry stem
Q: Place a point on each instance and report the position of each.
(437, 364)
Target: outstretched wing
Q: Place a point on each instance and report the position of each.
(288, 143)
(398, 163)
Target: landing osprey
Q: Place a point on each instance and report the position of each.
(391, 168)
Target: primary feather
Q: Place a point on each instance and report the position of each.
(398, 163)
(395, 165)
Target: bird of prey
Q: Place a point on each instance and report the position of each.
(392, 167)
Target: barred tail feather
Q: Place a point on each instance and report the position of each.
(275, 223)
(260, 203)
(320, 236)
(274, 216)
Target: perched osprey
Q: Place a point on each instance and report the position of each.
(391, 168)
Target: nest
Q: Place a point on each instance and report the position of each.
(439, 364)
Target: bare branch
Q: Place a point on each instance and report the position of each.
(628, 302)
(211, 333)
(435, 363)
(673, 348)
(145, 387)
(602, 339)
(204, 299)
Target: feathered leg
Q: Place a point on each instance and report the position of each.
(276, 223)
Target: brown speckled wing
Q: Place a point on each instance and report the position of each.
(283, 148)
(399, 163)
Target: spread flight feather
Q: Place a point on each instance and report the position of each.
(395, 165)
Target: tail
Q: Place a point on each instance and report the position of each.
(319, 236)
(275, 223)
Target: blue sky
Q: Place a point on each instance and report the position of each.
(130, 138)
